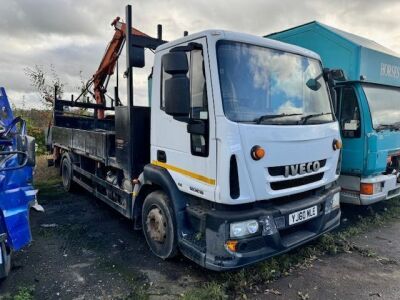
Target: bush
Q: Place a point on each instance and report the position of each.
(38, 134)
(36, 122)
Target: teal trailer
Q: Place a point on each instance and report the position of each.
(367, 107)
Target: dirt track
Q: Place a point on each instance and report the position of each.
(83, 250)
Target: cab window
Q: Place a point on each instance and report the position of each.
(349, 112)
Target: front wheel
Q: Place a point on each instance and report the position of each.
(5, 260)
(159, 225)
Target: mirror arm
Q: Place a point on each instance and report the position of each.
(185, 119)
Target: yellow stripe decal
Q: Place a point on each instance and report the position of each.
(184, 172)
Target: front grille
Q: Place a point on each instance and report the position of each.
(286, 184)
(280, 170)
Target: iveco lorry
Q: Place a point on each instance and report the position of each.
(368, 108)
(235, 160)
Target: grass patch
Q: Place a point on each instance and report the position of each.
(23, 293)
(209, 291)
(50, 187)
(43, 172)
(47, 179)
(238, 283)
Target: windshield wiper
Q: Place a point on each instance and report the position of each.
(306, 118)
(268, 117)
(395, 126)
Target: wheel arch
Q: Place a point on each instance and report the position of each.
(158, 178)
(143, 192)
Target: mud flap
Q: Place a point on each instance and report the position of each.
(17, 223)
(16, 218)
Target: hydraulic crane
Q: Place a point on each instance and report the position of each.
(108, 62)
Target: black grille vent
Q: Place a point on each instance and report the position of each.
(234, 178)
(280, 170)
(286, 184)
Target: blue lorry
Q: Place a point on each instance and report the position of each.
(367, 108)
(17, 195)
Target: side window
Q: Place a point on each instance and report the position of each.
(198, 104)
(164, 76)
(198, 88)
(350, 121)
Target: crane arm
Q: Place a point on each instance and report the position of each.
(109, 60)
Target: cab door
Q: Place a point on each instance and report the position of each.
(350, 120)
(187, 153)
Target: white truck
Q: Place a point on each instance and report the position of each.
(235, 161)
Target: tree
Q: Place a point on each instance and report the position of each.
(45, 83)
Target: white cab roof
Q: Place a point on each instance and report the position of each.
(216, 34)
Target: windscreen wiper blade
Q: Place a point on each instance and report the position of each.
(268, 117)
(308, 117)
(395, 126)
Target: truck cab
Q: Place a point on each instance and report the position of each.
(235, 160)
(255, 145)
(367, 108)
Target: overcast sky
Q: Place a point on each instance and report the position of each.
(72, 34)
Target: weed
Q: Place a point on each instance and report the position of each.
(209, 291)
(23, 293)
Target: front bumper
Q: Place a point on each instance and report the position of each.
(390, 188)
(211, 252)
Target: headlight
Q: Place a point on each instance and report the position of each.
(377, 187)
(333, 203)
(244, 228)
(336, 201)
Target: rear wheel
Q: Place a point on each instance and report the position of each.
(67, 174)
(5, 260)
(159, 226)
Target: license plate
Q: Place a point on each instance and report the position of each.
(303, 215)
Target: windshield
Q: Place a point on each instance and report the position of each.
(269, 86)
(383, 105)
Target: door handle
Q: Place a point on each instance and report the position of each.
(161, 156)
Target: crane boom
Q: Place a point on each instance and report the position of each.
(109, 60)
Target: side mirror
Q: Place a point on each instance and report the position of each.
(313, 84)
(26, 144)
(177, 88)
(31, 150)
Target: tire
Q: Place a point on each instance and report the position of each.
(159, 226)
(5, 267)
(67, 174)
